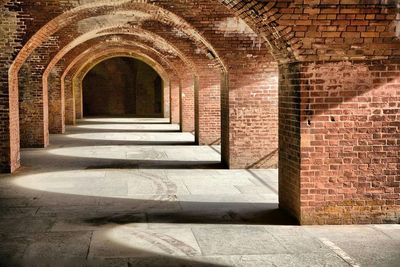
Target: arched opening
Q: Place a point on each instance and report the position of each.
(122, 86)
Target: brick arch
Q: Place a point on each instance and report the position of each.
(85, 11)
(164, 67)
(84, 50)
(260, 17)
(149, 36)
(62, 21)
(163, 64)
(304, 31)
(92, 10)
(119, 32)
(83, 70)
(80, 55)
(44, 56)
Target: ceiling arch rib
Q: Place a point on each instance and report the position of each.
(162, 67)
(157, 41)
(131, 11)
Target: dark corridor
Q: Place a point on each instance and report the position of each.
(122, 86)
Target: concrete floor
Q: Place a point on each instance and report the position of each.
(136, 192)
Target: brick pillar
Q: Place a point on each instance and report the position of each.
(249, 115)
(175, 101)
(289, 138)
(187, 104)
(33, 109)
(166, 99)
(208, 110)
(70, 117)
(9, 123)
(78, 98)
(339, 133)
(56, 102)
(10, 24)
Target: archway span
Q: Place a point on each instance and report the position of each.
(146, 35)
(163, 70)
(78, 69)
(76, 14)
(141, 57)
(120, 34)
(86, 11)
(84, 53)
(124, 48)
(117, 85)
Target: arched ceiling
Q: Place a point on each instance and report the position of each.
(147, 39)
(290, 30)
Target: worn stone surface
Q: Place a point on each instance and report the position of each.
(78, 203)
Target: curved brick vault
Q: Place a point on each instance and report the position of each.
(153, 42)
(321, 78)
(77, 79)
(74, 73)
(93, 46)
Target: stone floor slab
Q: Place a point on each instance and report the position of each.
(135, 192)
(238, 240)
(128, 241)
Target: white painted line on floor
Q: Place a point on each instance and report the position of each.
(341, 253)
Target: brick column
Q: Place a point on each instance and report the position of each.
(187, 104)
(9, 124)
(70, 116)
(289, 138)
(78, 98)
(339, 141)
(33, 109)
(208, 110)
(249, 116)
(175, 101)
(56, 101)
(10, 42)
(166, 99)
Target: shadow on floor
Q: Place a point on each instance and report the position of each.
(86, 122)
(111, 131)
(154, 164)
(216, 213)
(75, 142)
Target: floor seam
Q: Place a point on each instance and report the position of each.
(90, 243)
(340, 252)
(197, 241)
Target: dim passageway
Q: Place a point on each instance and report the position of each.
(138, 192)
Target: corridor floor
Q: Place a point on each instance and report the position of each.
(136, 192)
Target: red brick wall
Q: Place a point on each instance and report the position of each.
(252, 106)
(208, 111)
(348, 142)
(33, 107)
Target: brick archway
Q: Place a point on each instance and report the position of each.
(338, 87)
(78, 76)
